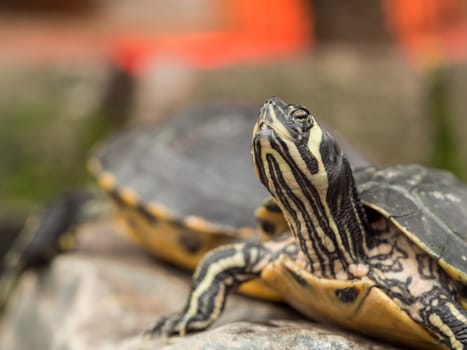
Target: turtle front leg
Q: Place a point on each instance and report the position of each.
(445, 318)
(220, 272)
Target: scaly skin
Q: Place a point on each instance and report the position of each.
(416, 283)
(219, 273)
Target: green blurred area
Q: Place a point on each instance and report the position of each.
(446, 152)
(48, 126)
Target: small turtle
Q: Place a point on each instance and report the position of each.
(379, 251)
(185, 185)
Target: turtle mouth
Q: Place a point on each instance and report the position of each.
(268, 125)
(264, 135)
(266, 131)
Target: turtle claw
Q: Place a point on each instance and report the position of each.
(168, 326)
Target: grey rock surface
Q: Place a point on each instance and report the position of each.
(104, 295)
(274, 335)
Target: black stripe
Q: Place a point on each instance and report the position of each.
(313, 198)
(436, 302)
(307, 157)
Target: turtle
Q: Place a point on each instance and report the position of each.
(158, 174)
(380, 251)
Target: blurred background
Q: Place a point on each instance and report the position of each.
(389, 75)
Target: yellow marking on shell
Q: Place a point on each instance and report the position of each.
(454, 273)
(201, 224)
(436, 321)
(129, 196)
(264, 215)
(245, 232)
(106, 181)
(162, 240)
(262, 212)
(94, 166)
(318, 298)
(159, 211)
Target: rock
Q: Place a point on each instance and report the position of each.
(104, 295)
(271, 335)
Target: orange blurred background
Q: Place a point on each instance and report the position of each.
(73, 72)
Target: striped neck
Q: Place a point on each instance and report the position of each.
(312, 182)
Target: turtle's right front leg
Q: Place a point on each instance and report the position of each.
(220, 272)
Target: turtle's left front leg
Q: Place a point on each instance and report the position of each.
(220, 272)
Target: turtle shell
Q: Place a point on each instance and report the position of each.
(196, 163)
(429, 206)
(185, 184)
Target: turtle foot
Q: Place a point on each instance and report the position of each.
(168, 326)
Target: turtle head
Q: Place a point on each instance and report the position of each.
(290, 149)
(308, 175)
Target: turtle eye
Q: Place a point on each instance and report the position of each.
(302, 116)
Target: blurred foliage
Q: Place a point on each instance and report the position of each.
(48, 125)
(446, 153)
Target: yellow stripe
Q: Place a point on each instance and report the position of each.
(436, 321)
(129, 196)
(106, 181)
(236, 260)
(321, 182)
